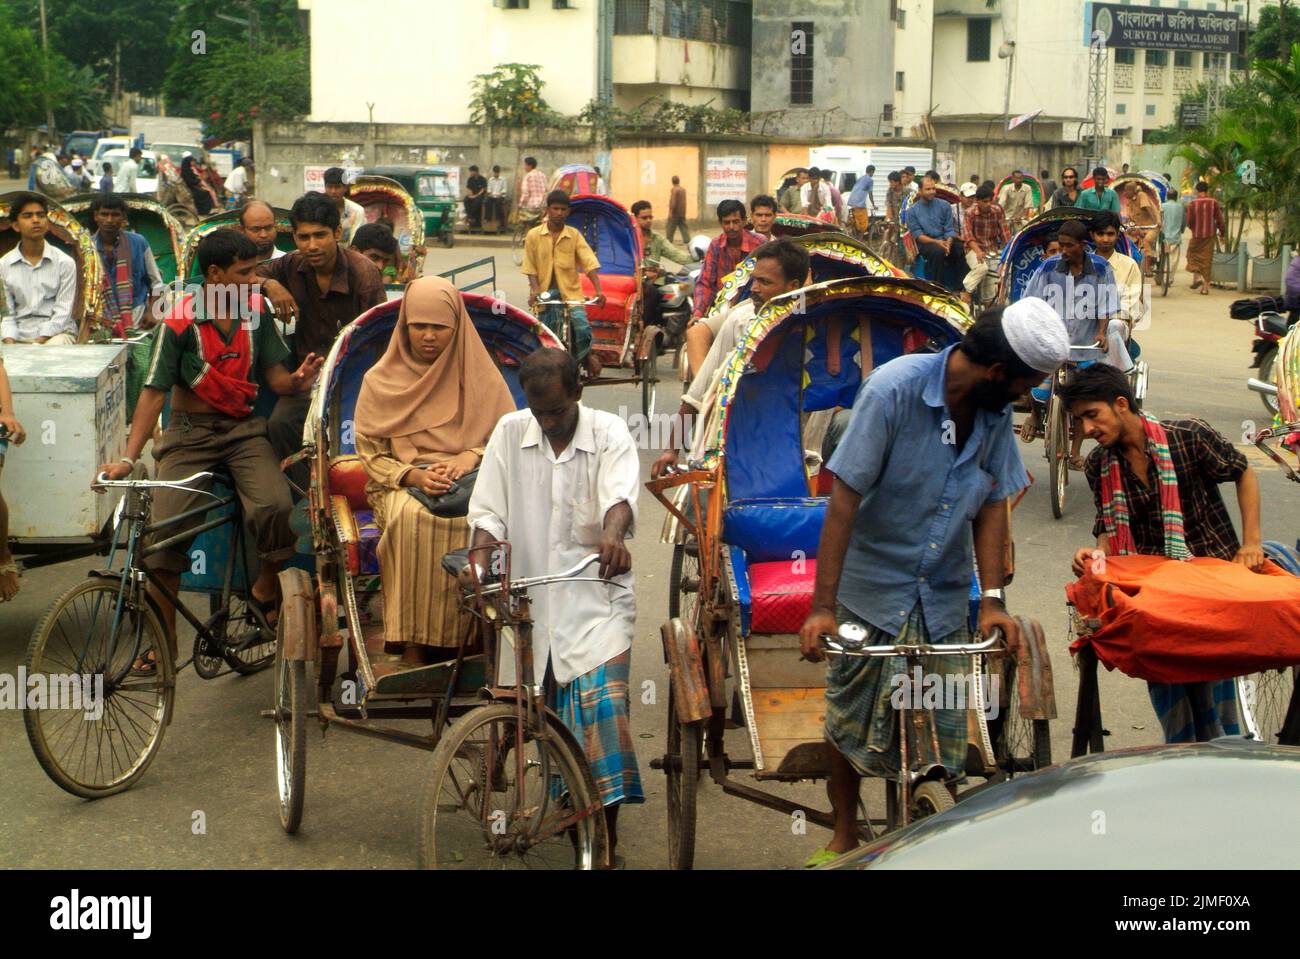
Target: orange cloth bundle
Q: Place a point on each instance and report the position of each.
(1183, 622)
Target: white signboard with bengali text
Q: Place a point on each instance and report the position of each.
(725, 178)
(313, 178)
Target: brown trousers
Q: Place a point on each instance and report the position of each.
(199, 442)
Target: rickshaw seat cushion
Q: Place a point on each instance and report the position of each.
(780, 595)
(773, 530)
(359, 533)
(618, 291)
(348, 478)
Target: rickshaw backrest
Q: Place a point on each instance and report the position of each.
(610, 232)
(773, 529)
(801, 368)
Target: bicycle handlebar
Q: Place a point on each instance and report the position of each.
(101, 480)
(851, 638)
(570, 575)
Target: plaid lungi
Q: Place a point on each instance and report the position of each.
(1196, 712)
(861, 721)
(595, 708)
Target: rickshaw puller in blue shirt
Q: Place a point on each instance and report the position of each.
(932, 431)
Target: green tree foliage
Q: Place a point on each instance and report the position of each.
(226, 77)
(1248, 152)
(91, 33)
(511, 96)
(1266, 38)
(20, 73)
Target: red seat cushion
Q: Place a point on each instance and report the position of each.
(780, 595)
(619, 292)
(348, 478)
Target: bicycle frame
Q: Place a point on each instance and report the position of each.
(135, 509)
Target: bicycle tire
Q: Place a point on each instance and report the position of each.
(1058, 448)
(650, 381)
(290, 735)
(683, 781)
(493, 832)
(253, 658)
(143, 707)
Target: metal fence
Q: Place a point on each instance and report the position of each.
(711, 21)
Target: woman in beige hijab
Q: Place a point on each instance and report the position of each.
(422, 420)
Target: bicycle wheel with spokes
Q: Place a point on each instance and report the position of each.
(290, 736)
(1266, 696)
(1019, 745)
(684, 580)
(100, 725)
(486, 807)
(1057, 442)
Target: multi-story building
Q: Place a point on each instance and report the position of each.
(956, 69)
(418, 63)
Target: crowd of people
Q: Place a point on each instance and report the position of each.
(559, 479)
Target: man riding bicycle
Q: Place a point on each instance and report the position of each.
(207, 355)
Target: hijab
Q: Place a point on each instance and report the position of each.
(435, 410)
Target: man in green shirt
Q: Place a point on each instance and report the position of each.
(207, 354)
(1099, 196)
(667, 257)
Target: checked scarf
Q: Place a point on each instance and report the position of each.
(1114, 502)
(119, 292)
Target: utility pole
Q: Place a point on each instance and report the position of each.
(1098, 70)
(45, 62)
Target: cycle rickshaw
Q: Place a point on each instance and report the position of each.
(384, 198)
(1020, 261)
(146, 216)
(470, 815)
(619, 337)
(223, 219)
(752, 515)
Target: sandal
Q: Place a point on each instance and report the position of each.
(146, 664)
(1029, 428)
(8, 569)
(821, 857)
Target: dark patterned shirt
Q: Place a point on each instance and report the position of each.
(1203, 458)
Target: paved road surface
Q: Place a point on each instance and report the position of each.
(217, 758)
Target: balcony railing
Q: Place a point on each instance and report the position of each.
(1184, 79)
(1124, 77)
(710, 21)
(1153, 78)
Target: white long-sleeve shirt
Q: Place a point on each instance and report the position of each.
(551, 509)
(37, 299)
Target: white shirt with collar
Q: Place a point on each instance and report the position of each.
(551, 509)
(37, 299)
(124, 179)
(353, 218)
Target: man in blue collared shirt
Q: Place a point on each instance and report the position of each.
(922, 476)
(860, 197)
(929, 220)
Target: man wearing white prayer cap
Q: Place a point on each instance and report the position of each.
(923, 471)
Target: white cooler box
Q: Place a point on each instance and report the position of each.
(71, 401)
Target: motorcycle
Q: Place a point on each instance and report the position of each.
(1271, 326)
(675, 300)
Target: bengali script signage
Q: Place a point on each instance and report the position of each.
(1159, 28)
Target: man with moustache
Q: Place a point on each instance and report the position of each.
(257, 222)
(936, 429)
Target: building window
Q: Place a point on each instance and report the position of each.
(562, 5)
(1121, 108)
(511, 4)
(1151, 109)
(712, 21)
(1182, 59)
(888, 113)
(1238, 62)
(979, 37)
(898, 131)
(1125, 56)
(801, 62)
(898, 80)
(901, 19)
(1157, 58)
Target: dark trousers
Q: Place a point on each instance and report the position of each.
(494, 209)
(675, 223)
(196, 442)
(284, 429)
(474, 212)
(946, 269)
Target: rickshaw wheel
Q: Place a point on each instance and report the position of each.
(473, 815)
(1268, 698)
(682, 770)
(1019, 745)
(684, 581)
(1058, 448)
(241, 619)
(290, 734)
(93, 758)
(929, 799)
(650, 380)
(1266, 375)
